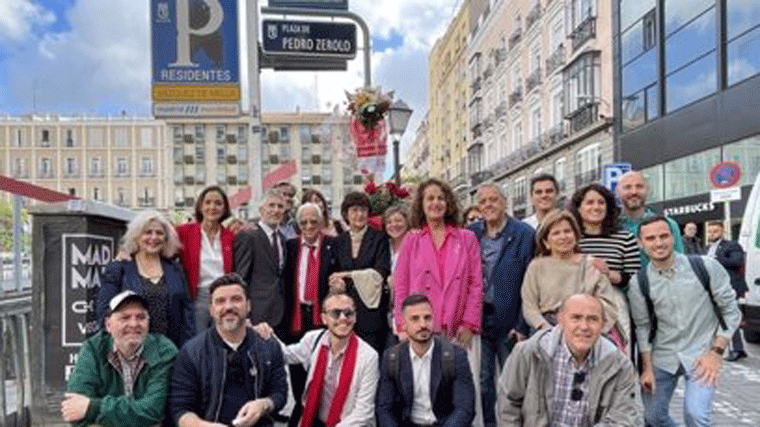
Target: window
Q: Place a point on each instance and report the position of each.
(557, 32)
(121, 197)
(516, 78)
(121, 137)
(96, 195)
(743, 35)
(581, 82)
(71, 166)
(96, 166)
(535, 56)
(746, 153)
(284, 134)
(45, 138)
(691, 83)
(536, 122)
(46, 167)
(146, 137)
(200, 175)
(516, 136)
(242, 154)
(95, 137)
(121, 166)
(580, 10)
(640, 101)
(177, 132)
(69, 138)
(559, 172)
(242, 175)
(241, 133)
(200, 155)
(200, 131)
(557, 106)
(520, 192)
(146, 166)
(689, 175)
(220, 133)
(633, 10)
(21, 167)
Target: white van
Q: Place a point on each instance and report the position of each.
(749, 238)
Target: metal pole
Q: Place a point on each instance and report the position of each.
(333, 13)
(17, 241)
(396, 161)
(727, 220)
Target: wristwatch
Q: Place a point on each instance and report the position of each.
(719, 350)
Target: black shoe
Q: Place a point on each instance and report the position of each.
(736, 355)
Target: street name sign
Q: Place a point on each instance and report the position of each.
(311, 4)
(725, 195)
(309, 38)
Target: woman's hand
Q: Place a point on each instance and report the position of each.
(337, 281)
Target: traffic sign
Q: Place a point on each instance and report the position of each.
(309, 38)
(311, 4)
(612, 173)
(725, 174)
(725, 195)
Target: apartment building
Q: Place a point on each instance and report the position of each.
(310, 150)
(540, 74)
(416, 166)
(120, 160)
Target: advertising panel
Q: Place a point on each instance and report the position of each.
(195, 51)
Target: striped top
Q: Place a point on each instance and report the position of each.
(619, 249)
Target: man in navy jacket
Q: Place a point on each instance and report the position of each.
(506, 248)
(425, 381)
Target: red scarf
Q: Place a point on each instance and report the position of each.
(312, 279)
(314, 394)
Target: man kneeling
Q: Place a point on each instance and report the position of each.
(569, 376)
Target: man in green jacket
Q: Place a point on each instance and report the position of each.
(122, 374)
(568, 375)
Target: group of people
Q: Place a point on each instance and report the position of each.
(439, 319)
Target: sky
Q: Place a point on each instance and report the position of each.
(93, 57)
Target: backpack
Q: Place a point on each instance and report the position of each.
(448, 367)
(698, 265)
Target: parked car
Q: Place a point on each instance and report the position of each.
(749, 238)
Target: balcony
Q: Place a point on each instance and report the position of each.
(459, 181)
(500, 110)
(533, 16)
(146, 202)
(45, 175)
(479, 177)
(475, 85)
(515, 38)
(584, 116)
(147, 174)
(477, 130)
(189, 180)
(189, 160)
(232, 160)
(533, 80)
(96, 173)
(71, 175)
(499, 56)
(534, 147)
(487, 73)
(187, 138)
(583, 32)
(488, 122)
(555, 134)
(121, 202)
(515, 97)
(231, 139)
(520, 201)
(556, 61)
(586, 178)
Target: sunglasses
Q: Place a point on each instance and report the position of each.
(578, 378)
(336, 312)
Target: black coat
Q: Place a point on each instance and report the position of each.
(374, 252)
(731, 256)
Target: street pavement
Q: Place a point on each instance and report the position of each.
(737, 399)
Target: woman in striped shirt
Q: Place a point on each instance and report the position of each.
(615, 251)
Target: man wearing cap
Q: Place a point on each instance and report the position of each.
(122, 373)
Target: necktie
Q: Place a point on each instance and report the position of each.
(275, 249)
(312, 276)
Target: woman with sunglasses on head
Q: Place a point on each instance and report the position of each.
(362, 261)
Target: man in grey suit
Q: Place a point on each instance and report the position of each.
(259, 258)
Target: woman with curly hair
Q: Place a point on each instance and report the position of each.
(614, 250)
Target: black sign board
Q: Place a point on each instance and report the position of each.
(311, 4)
(304, 38)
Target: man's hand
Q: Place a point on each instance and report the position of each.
(123, 255)
(250, 413)
(647, 379)
(336, 282)
(74, 407)
(264, 330)
(464, 337)
(515, 335)
(708, 367)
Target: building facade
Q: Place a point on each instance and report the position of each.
(309, 150)
(687, 79)
(541, 95)
(448, 92)
(416, 168)
(118, 160)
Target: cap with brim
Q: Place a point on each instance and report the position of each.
(124, 297)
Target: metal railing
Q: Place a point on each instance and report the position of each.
(533, 16)
(533, 80)
(556, 60)
(584, 31)
(515, 38)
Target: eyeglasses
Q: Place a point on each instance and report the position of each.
(336, 312)
(578, 378)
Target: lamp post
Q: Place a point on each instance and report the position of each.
(398, 117)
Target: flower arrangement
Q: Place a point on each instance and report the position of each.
(369, 105)
(383, 196)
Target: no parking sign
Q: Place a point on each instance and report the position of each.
(611, 174)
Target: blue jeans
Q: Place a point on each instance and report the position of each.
(697, 405)
(492, 347)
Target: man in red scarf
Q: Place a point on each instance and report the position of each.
(342, 368)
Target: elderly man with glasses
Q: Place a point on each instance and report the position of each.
(570, 375)
(342, 368)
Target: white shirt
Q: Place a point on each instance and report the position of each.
(268, 231)
(422, 406)
(713, 248)
(532, 221)
(304, 249)
(212, 261)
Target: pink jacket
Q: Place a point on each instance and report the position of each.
(455, 292)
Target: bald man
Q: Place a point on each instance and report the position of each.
(633, 190)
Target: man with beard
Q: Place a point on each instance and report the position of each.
(342, 368)
(122, 373)
(425, 381)
(227, 375)
(633, 190)
(569, 375)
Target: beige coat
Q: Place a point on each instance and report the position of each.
(526, 385)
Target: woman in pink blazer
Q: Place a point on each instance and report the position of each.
(441, 260)
(206, 248)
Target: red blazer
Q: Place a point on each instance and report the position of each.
(190, 236)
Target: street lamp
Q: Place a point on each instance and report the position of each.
(398, 117)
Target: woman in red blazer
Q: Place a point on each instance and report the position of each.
(206, 248)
